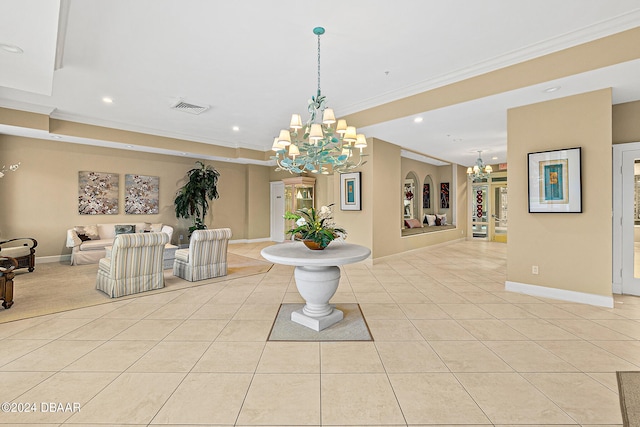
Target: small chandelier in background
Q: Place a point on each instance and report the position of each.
(318, 146)
(479, 171)
(12, 168)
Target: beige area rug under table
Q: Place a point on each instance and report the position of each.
(352, 327)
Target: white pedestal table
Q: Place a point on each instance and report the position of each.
(317, 277)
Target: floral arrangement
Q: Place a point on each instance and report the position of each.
(316, 226)
(12, 168)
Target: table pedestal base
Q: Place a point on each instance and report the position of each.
(316, 285)
(317, 323)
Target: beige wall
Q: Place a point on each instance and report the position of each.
(626, 122)
(44, 191)
(359, 224)
(386, 195)
(572, 250)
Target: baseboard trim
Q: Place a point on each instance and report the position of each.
(262, 239)
(559, 294)
(384, 258)
(53, 258)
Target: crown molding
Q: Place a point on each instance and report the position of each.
(587, 34)
(148, 131)
(25, 106)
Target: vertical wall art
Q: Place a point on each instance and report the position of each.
(444, 195)
(555, 181)
(426, 196)
(141, 194)
(350, 191)
(98, 193)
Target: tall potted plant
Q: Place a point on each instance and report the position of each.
(192, 200)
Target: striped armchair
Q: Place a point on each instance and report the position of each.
(206, 256)
(134, 265)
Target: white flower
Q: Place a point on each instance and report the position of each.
(1, 174)
(13, 168)
(300, 222)
(325, 211)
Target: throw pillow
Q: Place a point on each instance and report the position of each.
(83, 237)
(412, 223)
(156, 228)
(125, 229)
(443, 219)
(431, 220)
(438, 220)
(90, 231)
(146, 228)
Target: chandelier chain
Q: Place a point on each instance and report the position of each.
(318, 65)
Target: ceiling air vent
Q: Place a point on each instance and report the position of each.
(189, 108)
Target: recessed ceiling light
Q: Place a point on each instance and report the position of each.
(107, 100)
(236, 128)
(56, 137)
(129, 146)
(494, 158)
(11, 48)
(418, 120)
(552, 89)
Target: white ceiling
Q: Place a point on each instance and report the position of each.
(254, 63)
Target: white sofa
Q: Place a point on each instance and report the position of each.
(102, 235)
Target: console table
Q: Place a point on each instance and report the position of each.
(317, 277)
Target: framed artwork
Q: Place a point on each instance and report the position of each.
(444, 195)
(555, 181)
(98, 193)
(426, 196)
(141, 194)
(350, 198)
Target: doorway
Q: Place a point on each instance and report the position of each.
(277, 211)
(480, 211)
(626, 219)
(498, 224)
(489, 208)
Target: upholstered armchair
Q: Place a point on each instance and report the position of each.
(23, 249)
(206, 256)
(133, 265)
(6, 280)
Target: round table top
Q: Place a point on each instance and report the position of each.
(296, 253)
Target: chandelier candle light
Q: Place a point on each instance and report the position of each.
(323, 144)
(479, 170)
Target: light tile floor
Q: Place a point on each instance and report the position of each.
(451, 348)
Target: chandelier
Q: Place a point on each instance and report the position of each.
(323, 144)
(479, 171)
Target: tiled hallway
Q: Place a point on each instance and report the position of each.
(450, 347)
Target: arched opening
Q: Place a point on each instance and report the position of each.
(428, 205)
(410, 206)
